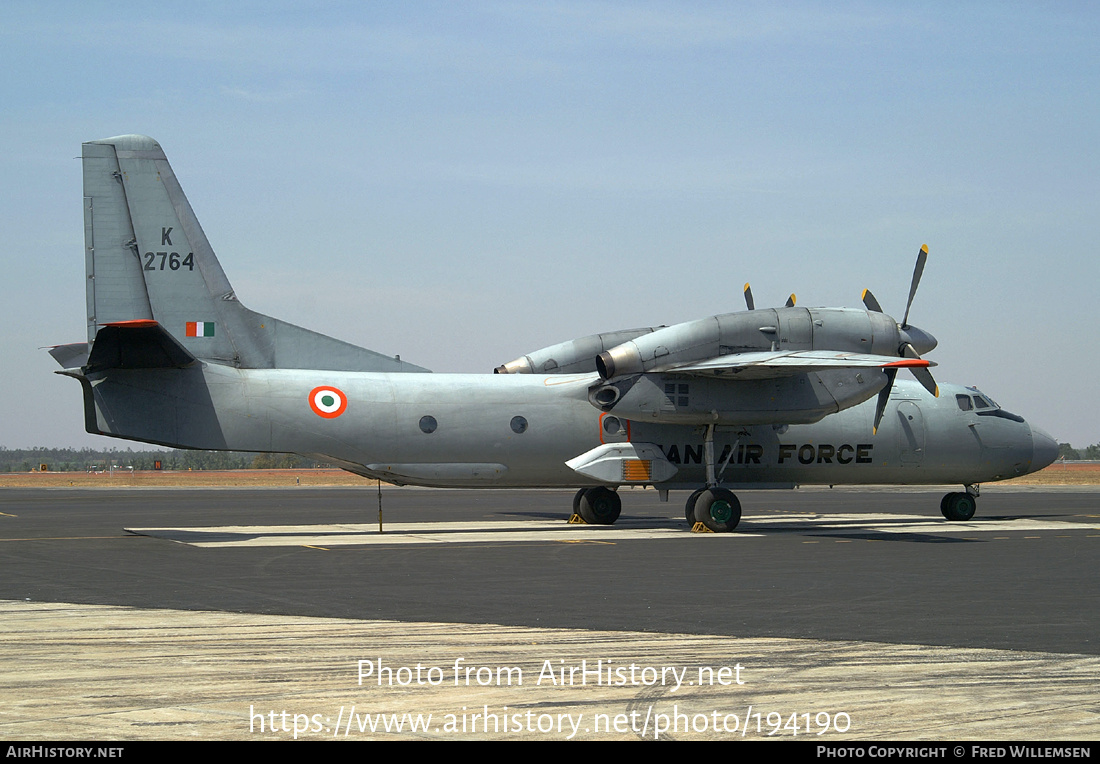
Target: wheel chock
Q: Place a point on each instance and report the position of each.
(576, 520)
(700, 528)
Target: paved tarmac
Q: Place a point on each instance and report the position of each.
(862, 602)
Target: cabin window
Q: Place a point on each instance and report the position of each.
(519, 425)
(428, 424)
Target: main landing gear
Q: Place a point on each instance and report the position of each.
(961, 505)
(712, 508)
(716, 508)
(597, 506)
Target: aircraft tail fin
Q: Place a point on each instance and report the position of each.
(148, 260)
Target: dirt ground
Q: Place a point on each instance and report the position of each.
(1063, 474)
(1056, 474)
(185, 479)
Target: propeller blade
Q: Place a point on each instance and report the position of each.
(790, 301)
(883, 399)
(748, 297)
(922, 258)
(925, 378)
(870, 301)
(923, 375)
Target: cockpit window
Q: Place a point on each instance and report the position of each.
(1001, 414)
(987, 407)
(982, 400)
(964, 402)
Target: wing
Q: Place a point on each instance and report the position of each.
(772, 364)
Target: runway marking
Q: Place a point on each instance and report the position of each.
(416, 533)
(356, 534)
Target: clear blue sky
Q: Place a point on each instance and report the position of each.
(461, 183)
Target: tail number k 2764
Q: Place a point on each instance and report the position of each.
(171, 259)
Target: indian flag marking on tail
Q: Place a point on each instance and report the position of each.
(200, 328)
(327, 402)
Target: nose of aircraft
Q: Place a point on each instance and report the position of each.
(1044, 449)
(922, 341)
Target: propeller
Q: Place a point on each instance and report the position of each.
(918, 271)
(751, 305)
(883, 398)
(921, 372)
(913, 341)
(870, 301)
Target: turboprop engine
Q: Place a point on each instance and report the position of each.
(813, 361)
(776, 329)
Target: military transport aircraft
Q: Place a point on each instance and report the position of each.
(771, 397)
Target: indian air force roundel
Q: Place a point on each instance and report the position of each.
(327, 402)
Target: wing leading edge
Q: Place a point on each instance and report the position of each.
(773, 364)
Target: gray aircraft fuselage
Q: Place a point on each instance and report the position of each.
(922, 440)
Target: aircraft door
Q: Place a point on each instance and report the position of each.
(910, 433)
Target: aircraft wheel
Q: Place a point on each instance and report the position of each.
(689, 507)
(599, 506)
(958, 506)
(718, 509)
(577, 501)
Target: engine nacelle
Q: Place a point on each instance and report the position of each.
(689, 399)
(840, 329)
(573, 357)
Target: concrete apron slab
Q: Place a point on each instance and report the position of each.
(92, 672)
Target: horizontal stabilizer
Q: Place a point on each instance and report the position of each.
(71, 356)
(138, 344)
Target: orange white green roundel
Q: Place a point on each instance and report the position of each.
(327, 402)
